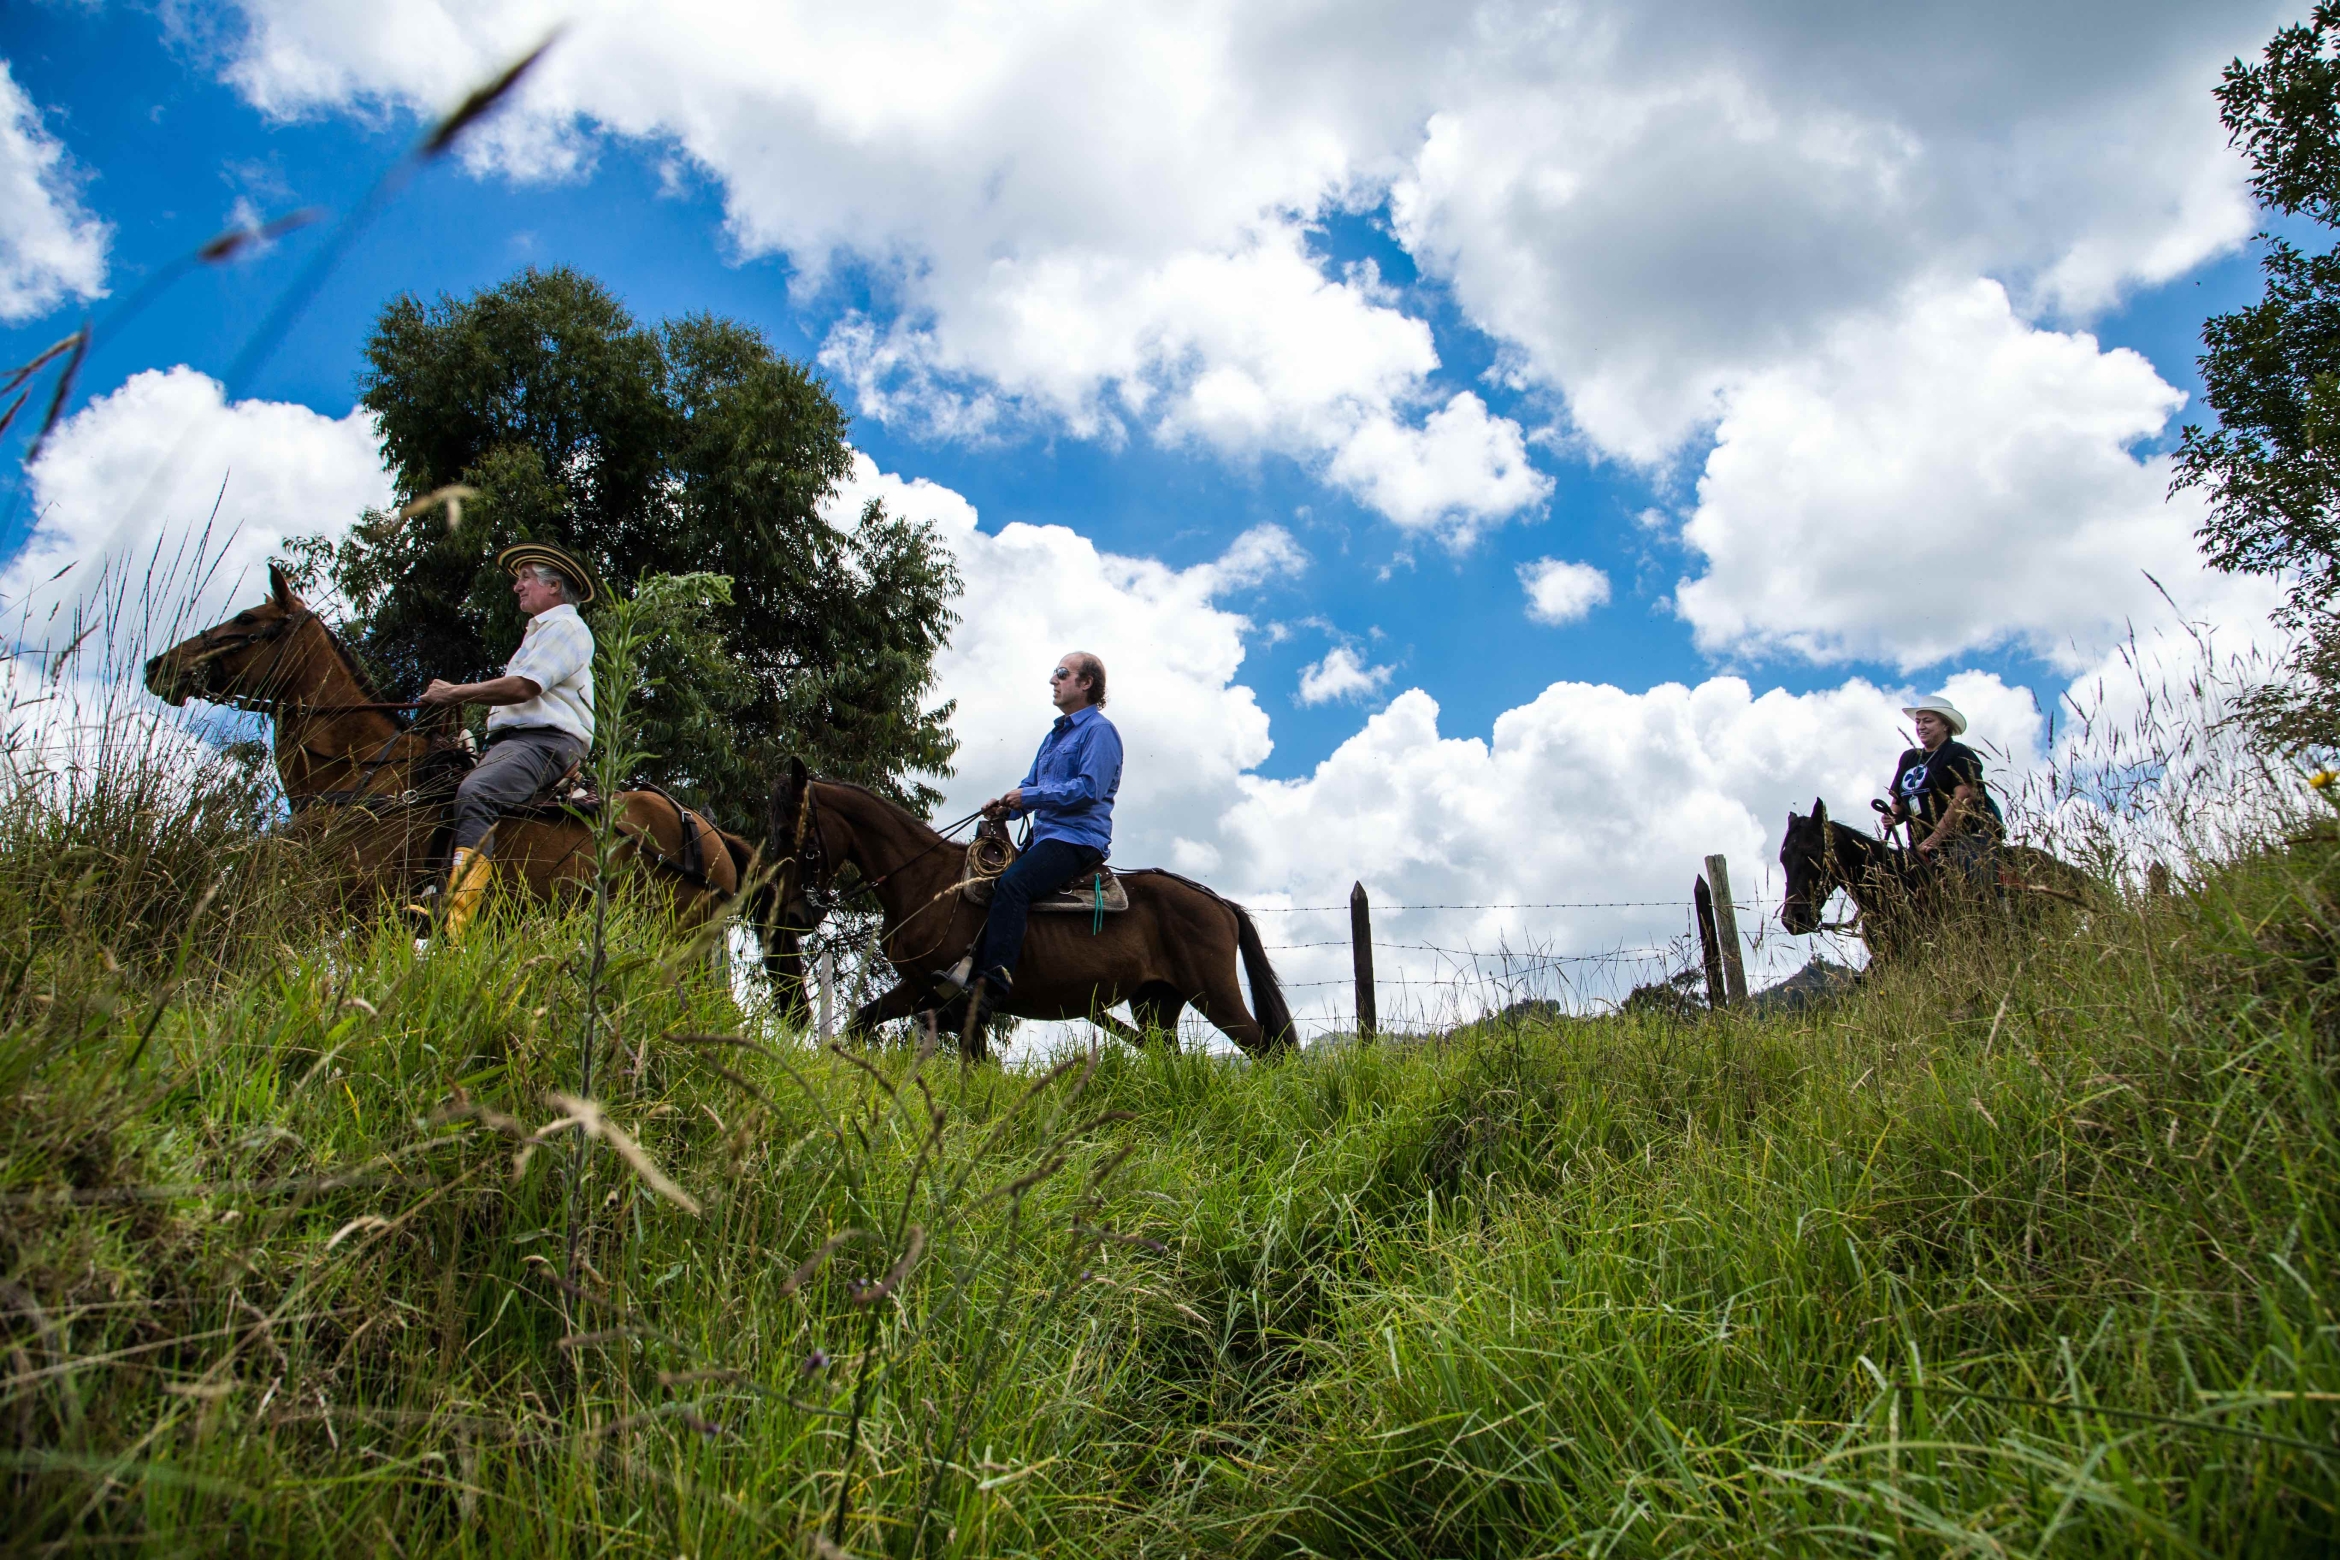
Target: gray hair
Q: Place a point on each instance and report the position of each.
(549, 575)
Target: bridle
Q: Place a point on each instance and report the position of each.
(279, 633)
(1830, 877)
(808, 875)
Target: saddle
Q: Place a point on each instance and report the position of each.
(1089, 894)
(574, 788)
(573, 792)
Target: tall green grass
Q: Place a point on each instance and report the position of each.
(2026, 1248)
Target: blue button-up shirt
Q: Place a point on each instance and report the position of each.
(1069, 790)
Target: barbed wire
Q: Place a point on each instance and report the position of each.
(1556, 904)
(1522, 959)
(1516, 956)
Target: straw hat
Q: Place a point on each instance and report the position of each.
(1939, 705)
(527, 554)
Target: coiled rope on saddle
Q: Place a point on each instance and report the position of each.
(988, 857)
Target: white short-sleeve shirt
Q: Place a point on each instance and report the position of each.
(556, 654)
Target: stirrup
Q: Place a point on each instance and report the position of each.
(959, 979)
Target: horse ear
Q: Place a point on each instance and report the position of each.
(1819, 810)
(781, 817)
(797, 775)
(280, 586)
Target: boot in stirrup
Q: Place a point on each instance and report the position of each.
(466, 881)
(955, 980)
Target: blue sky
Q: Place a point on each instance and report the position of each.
(167, 151)
(1833, 316)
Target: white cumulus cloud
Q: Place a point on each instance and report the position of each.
(160, 504)
(1651, 204)
(1100, 217)
(1084, 216)
(1940, 479)
(1561, 592)
(1263, 553)
(1589, 796)
(1341, 675)
(50, 247)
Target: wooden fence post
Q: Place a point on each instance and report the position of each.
(1709, 945)
(1726, 928)
(1361, 955)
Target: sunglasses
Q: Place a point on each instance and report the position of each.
(1061, 673)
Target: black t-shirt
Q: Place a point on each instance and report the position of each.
(1925, 783)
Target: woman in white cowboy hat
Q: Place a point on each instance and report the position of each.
(1938, 789)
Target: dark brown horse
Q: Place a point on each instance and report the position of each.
(1177, 943)
(1820, 856)
(1898, 896)
(382, 792)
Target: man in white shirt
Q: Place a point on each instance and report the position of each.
(542, 721)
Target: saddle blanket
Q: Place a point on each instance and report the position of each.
(1077, 897)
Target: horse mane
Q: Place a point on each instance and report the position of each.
(341, 652)
(1867, 849)
(883, 801)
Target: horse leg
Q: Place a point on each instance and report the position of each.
(901, 1002)
(1118, 1029)
(1157, 1024)
(1156, 1006)
(1221, 1002)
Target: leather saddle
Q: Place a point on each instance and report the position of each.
(573, 792)
(574, 788)
(1088, 894)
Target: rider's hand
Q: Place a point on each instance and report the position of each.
(441, 692)
(1011, 800)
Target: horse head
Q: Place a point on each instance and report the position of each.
(241, 661)
(1811, 877)
(796, 842)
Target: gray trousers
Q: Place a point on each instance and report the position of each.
(515, 767)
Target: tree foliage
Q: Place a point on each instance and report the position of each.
(691, 448)
(2271, 468)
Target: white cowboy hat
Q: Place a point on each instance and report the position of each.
(1940, 706)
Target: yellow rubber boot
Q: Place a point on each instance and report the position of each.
(466, 881)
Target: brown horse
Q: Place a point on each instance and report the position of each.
(1176, 943)
(383, 793)
(1899, 896)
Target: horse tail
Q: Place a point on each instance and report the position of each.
(1267, 993)
(742, 852)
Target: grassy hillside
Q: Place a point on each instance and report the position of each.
(2026, 1251)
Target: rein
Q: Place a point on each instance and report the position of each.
(942, 838)
(280, 634)
(282, 708)
(809, 865)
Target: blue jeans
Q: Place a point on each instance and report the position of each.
(1043, 868)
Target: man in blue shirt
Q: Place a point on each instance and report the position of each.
(1069, 795)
